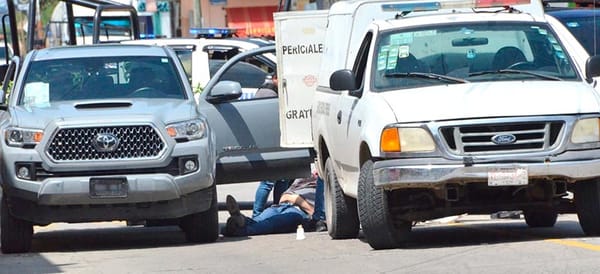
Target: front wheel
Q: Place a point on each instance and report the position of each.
(202, 227)
(340, 210)
(587, 201)
(378, 224)
(16, 234)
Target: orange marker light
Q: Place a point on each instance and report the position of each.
(390, 140)
(172, 131)
(37, 136)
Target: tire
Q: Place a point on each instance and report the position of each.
(540, 218)
(202, 227)
(16, 234)
(340, 210)
(374, 213)
(587, 202)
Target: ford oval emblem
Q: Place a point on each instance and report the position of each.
(504, 139)
(105, 142)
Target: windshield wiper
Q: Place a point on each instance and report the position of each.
(426, 75)
(516, 71)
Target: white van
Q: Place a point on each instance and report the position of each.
(426, 109)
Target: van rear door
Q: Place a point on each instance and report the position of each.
(299, 37)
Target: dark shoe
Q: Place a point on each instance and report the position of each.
(320, 226)
(232, 229)
(234, 211)
(232, 205)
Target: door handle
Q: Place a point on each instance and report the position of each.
(339, 117)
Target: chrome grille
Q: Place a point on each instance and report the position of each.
(477, 139)
(77, 144)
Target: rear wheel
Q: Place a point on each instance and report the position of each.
(540, 218)
(587, 201)
(378, 225)
(16, 234)
(202, 227)
(340, 210)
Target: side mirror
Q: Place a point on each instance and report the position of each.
(592, 68)
(224, 91)
(342, 80)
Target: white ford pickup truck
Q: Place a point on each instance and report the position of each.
(426, 109)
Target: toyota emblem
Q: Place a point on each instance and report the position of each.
(106, 142)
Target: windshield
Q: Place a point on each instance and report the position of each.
(100, 78)
(586, 30)
(454, 54)
(111, 29)
(185, 56)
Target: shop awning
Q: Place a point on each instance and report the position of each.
(252, 21)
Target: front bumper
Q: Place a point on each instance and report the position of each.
(194, 202)
(434, 172)
(155, 189)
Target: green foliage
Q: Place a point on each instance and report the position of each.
(198, 89)
(10, 86)
(46, 9)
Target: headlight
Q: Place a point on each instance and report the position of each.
(20, 137)
(406, 140)
(586, 131)
(191, 130)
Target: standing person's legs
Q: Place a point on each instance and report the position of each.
(261, 196)
(279, 188)
(318, 218)
(319, 200)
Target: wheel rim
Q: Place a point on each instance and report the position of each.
(328, 202)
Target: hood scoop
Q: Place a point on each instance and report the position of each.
(94, 105)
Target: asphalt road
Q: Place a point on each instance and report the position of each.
(466, 244)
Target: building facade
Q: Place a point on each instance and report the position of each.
(250, 18)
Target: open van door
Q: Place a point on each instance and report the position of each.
(299, 37)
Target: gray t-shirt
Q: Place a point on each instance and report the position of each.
(305, 187)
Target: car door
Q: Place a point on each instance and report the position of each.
(247, 128)
(349, 113)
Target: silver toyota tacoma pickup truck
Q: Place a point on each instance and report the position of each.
(101, 133)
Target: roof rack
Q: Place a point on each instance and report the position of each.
(99, 6)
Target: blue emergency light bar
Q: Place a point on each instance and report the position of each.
(147, 36)
(424, 6)
(213, 32)
(437, 5)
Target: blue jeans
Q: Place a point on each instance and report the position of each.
(319, 213)
(262, 194)
(281, 218)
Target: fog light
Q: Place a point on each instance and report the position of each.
(190, 166)
(23, 173)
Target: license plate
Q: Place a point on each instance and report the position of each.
(111, 187)
(511, 176)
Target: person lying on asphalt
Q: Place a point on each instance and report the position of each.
(296, 207)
